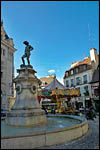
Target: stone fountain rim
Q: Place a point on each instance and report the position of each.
(83, 122)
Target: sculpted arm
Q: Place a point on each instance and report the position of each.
(31, 48)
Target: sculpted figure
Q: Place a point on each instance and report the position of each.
(27, 54)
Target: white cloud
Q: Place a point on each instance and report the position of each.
(51, 71)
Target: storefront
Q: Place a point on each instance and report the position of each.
(95, 88)
(96, 102)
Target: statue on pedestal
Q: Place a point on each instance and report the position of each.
(27, 54)
(26, 110)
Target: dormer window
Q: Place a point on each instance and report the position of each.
(71, 72)
(66, 73)
(85, 66)
(76, 70)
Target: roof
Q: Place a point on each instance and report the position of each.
(85, 61)
(47, 79)
(95, 77)
(55, 84)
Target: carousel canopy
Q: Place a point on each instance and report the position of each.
(56, 88)
(55, 84)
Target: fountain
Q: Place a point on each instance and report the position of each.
(26, 125)
(26, 111)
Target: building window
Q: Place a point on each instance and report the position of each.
(46, 83)
(86, 93)
(72, 82)
(71, 72)
(3, 52)
(43, 82)
(77, 81)
(85, 79)
(67, 83)
(96, 92)
(76, 70)
(79, 91)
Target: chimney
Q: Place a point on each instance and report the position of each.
(94, 58)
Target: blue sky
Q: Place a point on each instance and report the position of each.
(58, 31)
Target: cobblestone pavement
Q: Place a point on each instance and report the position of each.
(89, 141)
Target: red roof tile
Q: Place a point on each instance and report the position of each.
(85, 61)
(47, 79)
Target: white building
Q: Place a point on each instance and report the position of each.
(80, 75)
(7, 68)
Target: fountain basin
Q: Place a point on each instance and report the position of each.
(59, 129)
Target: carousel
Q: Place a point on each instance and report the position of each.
(56, 97)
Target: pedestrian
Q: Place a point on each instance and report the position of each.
(93, 114)
(44, 109)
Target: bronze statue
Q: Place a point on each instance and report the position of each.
(27, 54)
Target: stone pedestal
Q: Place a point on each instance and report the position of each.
(26, 111)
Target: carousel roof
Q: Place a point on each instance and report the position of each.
(55, 84)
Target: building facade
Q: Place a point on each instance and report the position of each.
(80, 75)
(95, 88)
(7, 68)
